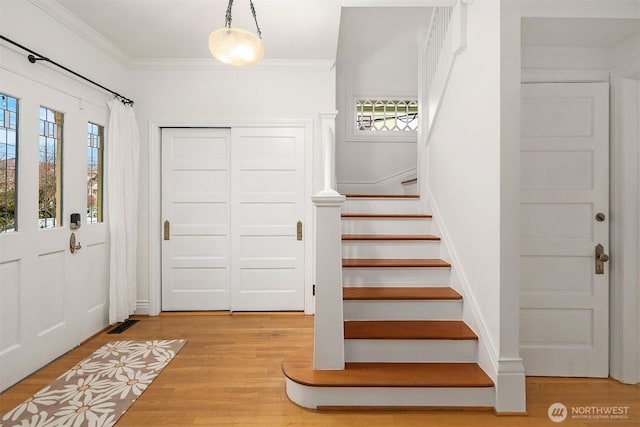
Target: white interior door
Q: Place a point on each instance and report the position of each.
(195, 211)
(267, 203)
(564, 320)
(50, 299)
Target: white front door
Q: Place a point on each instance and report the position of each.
(231, 203)
(50, 299)
(564, 316)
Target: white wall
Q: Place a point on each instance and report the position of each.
(377, 56)
(202, 95)
(464, 162)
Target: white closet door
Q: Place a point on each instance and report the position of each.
(267, 201)
(195, 211)
(564, 316)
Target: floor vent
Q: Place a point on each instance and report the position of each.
(123, 326)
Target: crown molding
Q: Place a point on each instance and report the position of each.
(213, 64)
(397, 3)
(80, 28)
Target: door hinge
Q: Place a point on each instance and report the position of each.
(314, 290)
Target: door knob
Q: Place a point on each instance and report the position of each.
(601, 258)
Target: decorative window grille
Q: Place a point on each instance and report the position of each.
(8, 163)
(95, 152)
(381, 115)
(50, 169)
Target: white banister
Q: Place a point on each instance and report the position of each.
(328, 351)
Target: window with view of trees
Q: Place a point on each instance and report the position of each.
(95, 150)
(8, 163)
(50, 169)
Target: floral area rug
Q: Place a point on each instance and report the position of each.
(98, 390)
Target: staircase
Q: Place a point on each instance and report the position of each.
(404, 341)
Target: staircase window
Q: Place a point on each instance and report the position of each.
(386, 115)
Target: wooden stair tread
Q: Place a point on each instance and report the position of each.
(399, 293)
(393, 263)
(408, 329)
(298, 367)
(382, 196)
(390, 237)
(384, 216)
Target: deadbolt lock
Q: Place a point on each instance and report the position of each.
(600, 217)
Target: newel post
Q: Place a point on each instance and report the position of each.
(328, 351)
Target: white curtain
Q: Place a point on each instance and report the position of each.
(122, 153)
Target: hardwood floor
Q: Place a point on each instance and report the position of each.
(229, 374)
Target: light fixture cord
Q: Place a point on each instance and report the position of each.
(253, 12)
(227, 16)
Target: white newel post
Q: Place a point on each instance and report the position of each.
(328, 351)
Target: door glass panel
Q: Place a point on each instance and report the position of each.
(95, 150)
(50, 169)
(8, 163)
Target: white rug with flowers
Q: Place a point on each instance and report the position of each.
(98, 390)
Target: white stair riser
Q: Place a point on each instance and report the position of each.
(396, 276)
(403, 310)
(386, 226)
(314, 397)
(391, 249)
(381, 206)
(446, 351)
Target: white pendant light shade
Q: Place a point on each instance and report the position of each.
(235, 46)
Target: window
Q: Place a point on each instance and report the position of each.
(8, 163)
(95, 150)
(50, 169)
(381, 115)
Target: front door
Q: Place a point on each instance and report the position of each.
(231, 203)
(51, 168)
(564, 317)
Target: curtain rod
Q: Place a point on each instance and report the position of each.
(33, 57)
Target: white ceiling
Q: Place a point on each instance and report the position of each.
(179, 29)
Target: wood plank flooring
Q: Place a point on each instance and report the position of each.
(229, 374)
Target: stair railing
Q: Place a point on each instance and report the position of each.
(328, 351)
(444, 39)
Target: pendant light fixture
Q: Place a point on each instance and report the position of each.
(235, 46)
